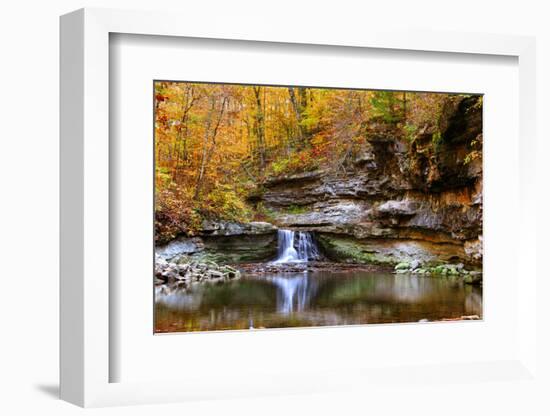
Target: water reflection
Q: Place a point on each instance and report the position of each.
(313, 299)
(294, 292)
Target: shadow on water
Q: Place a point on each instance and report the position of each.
(313, 299)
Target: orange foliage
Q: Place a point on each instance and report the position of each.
(215, 143)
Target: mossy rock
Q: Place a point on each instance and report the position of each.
(347, 250)
(403, 266)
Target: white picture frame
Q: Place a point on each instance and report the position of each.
(85, 210)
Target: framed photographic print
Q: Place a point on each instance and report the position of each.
(284, 206)
(283, 212)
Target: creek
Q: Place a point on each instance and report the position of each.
(290, 298)
(314, 299)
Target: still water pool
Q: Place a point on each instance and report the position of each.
(313, 299)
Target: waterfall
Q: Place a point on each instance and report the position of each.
(296, 247)
(307, 248)
(286, 251)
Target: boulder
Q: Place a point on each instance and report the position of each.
(178, 247)
(398, 208)
(415, 264)
(402, 266)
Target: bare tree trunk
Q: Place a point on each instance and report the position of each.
(260, 127)
(298, 110)
(207, 151)
(183, 130)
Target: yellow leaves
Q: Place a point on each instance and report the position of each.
(224, 203)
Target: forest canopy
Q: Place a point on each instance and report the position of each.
(215, 144)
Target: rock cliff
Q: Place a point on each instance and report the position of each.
(403, 198)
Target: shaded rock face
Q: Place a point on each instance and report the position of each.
(224, 242)
(399, 200)
(242, 248)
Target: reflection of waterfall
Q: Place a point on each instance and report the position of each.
(294, 293)
(296, 247)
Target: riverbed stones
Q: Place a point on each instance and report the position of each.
(193, 272)
(450, 271)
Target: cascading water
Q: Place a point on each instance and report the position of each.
(296, 247)
(286, 252)
(295, 291)
(307, 248)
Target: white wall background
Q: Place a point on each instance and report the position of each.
(29, 208)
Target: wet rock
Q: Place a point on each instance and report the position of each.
(402, 266)
(214, 274)
(345, 249)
